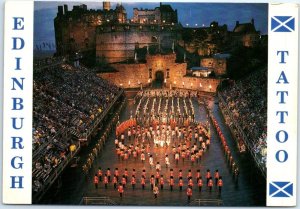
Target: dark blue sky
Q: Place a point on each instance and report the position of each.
(191, 13)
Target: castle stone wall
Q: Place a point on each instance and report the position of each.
(119, 44)
(135, 75)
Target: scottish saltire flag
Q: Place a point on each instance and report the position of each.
(282, 23)
(281, 189)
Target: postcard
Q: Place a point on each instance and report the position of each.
(150, 103)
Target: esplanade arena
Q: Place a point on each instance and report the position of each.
(150, 123)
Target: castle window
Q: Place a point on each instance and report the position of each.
(150, 73)
(168, 73)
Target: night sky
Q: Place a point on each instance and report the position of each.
(188, 13)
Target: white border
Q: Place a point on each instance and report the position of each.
(22, 9)
(282, 41)
(2, 73)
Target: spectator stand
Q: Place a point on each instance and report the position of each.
(98, 120)
(243, 106)
(64, 98)
(238, 133)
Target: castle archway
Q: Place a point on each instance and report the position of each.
(159, 79)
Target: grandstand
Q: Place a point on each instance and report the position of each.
(244, 106)
(69, 104)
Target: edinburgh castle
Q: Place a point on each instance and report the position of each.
(151, 45)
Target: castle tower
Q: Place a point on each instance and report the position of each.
(106, 5)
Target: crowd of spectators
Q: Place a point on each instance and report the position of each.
(65, 99)
(247, 103)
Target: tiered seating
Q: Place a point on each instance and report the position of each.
(66, 100)
(247, 103)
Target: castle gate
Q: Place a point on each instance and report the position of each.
(159, 79)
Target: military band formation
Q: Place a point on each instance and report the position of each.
(156, 142)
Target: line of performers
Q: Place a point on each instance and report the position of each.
(231, 162)
(120, 181)
(168, 114)
(168, 93)
(183, 112)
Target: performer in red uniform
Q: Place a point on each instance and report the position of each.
(143, 182)
(124, 181)
(133, 182)
(115, 181)
(208, 175)
(108, 173)
(180, 174)
(190, 182)
(198, 175)
(126, 174)
(210, 184)
(171, 182)
(157, 175)
(120, 190)
(200, 183)
(105, 181)
(180, 183)
(116, 174)
(161, 182)
(189, 193)
(171, 172)
(216, 175)
(220, 184)
(100, 173)
(152, 181)
(189, 174)
(96, 181)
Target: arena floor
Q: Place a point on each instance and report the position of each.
(249, 190)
